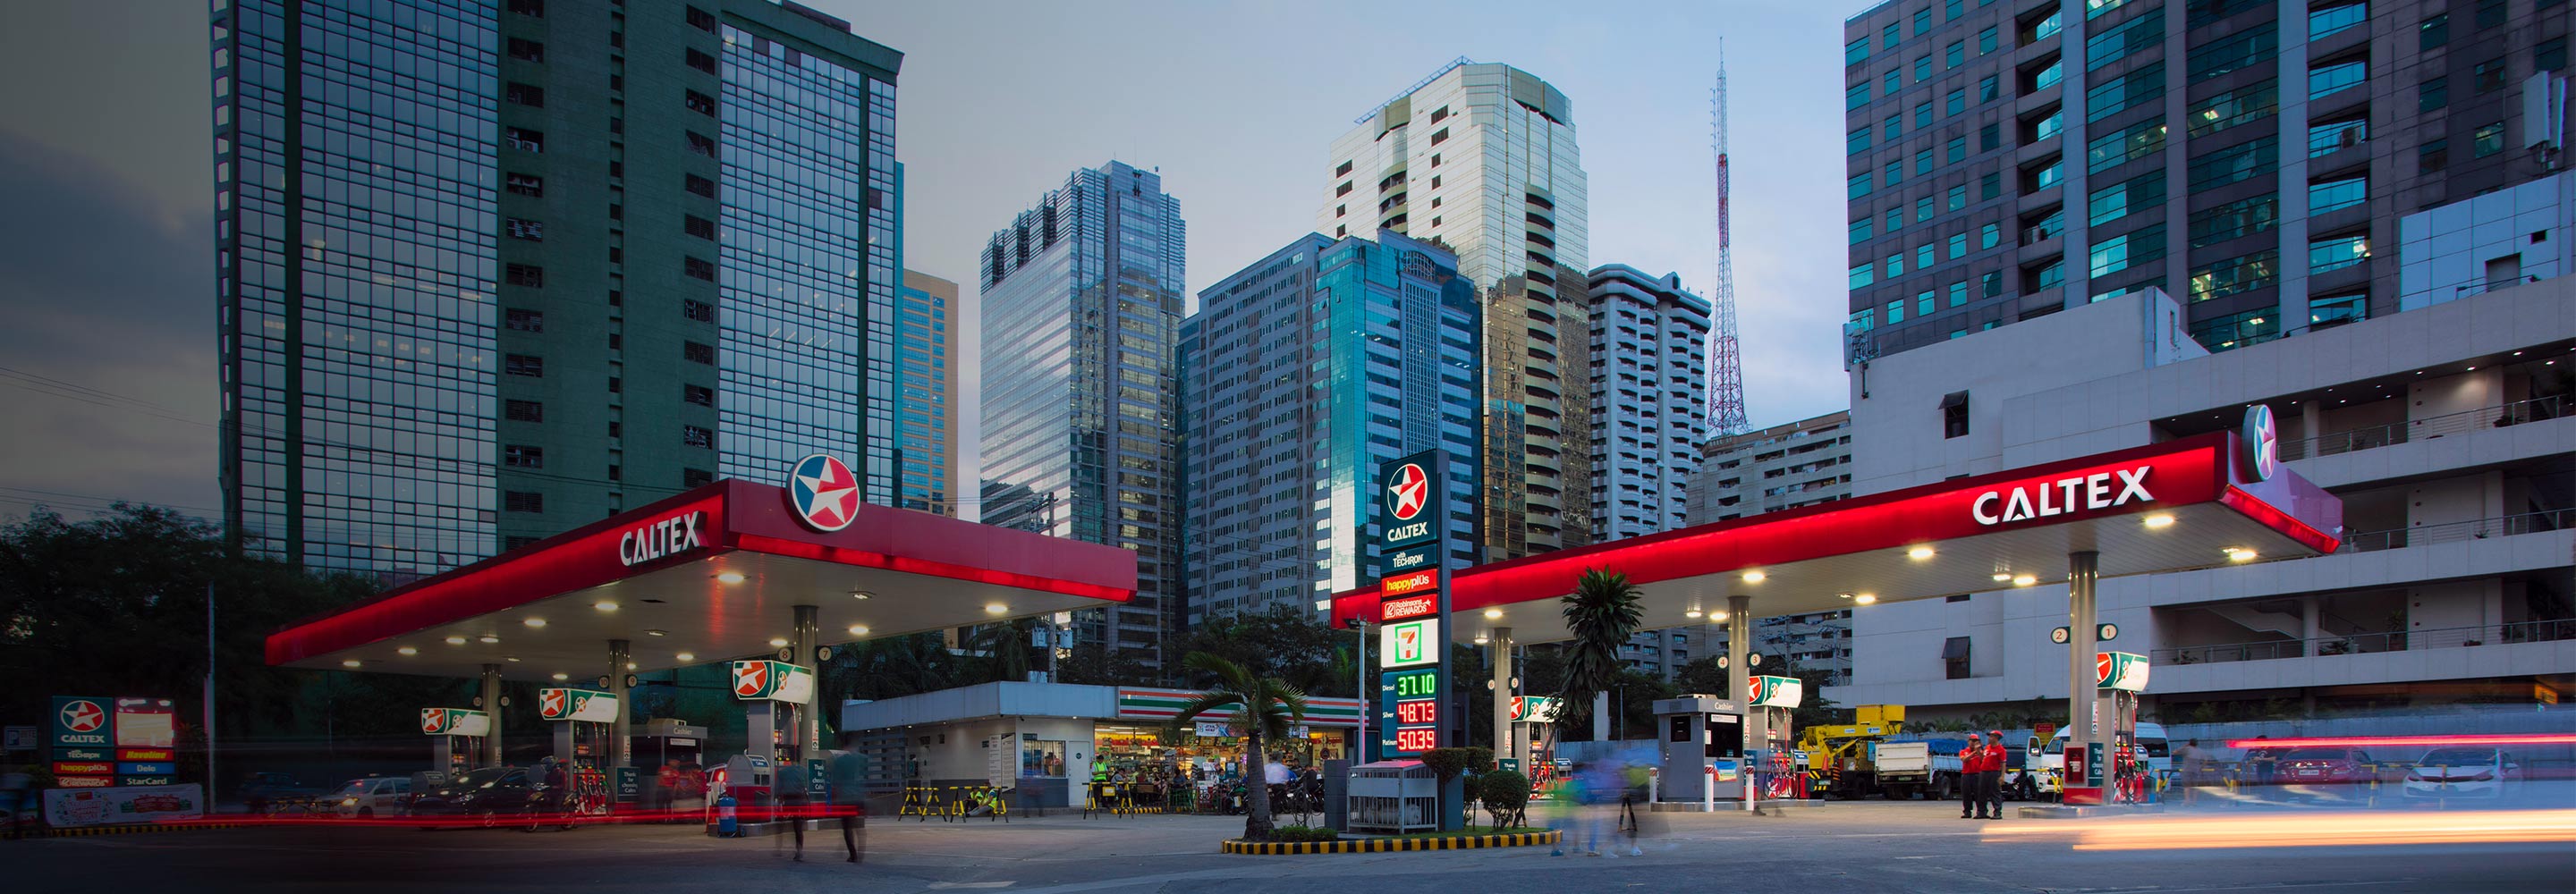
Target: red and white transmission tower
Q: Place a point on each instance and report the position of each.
(1725, 358)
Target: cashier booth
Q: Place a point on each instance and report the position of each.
(1703, 744)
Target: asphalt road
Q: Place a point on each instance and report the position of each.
(1864, 847)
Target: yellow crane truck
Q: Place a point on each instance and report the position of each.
(1839, 759)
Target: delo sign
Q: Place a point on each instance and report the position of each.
(669, 536)
(2100, 490)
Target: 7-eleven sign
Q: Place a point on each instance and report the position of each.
(765, 680)
(1409, 643)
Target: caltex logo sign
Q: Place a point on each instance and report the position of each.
(2262, 441)
(1408, 492)
(751, 679)
(550, 703)
(83, 716)
(433, 720)
(823, 492)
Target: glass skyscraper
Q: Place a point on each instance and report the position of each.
(926, 357)
(1082, 300)
(2250, 157)
(1300, 374)
(484, 279)
(1482, 158)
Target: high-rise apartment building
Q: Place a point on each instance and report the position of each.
(1786, 466)
(926, 359)
(1481, 159)
(2250, 157)
(1649, 374)
(1300, 375)
(489, 271)
(1082, 301)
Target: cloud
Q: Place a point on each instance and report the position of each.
(108, 291)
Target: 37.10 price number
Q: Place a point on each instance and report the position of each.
(1417, 684)
(1414, 739)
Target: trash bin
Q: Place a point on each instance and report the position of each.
(1394, 797)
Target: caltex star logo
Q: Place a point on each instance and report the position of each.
(433, 719)
(83, 716)
(1411, 489)
(551, 703)
(824, 493)
(749, 680)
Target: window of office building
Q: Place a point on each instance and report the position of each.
(2243, 273)
(2330, 136)
(2328, 20)
(2132, 196)
(2333, 77)
(2234, 107)
(2118, 41)
(2337, 252)
(2335, 195)
(2246, 160)
(2137, 88)
(2243, 217)
(2127, 144)
(2145, 245)
(2244, 49)
(2488, 140)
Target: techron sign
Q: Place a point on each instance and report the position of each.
(2063, 496)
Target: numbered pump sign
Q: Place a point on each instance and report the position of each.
(1413, 603)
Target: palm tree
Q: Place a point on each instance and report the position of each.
(1602, 613)
(1006, 647)
(1263, 708)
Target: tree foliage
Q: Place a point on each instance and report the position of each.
(116, 605)
(1602, 613)
(1287, 643)
(1261, 708)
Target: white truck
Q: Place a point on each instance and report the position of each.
(1906, 769)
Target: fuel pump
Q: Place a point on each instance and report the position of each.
(1780, 768)
(2119, 679)
(455, 742)
(583, 721)
(771, 693)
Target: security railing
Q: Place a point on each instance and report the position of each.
(2364, 643)
(2459, 531)
(2374, 436)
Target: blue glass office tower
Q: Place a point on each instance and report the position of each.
(1082, 302)
(1300, 375)
(489, 270)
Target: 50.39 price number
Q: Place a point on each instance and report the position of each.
(1417, 738)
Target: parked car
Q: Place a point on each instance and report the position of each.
(2464, 773)
(372, 797)
(475, 793)
(263, 791)
(2315, 765)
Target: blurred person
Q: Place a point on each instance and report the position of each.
(788, 790)
(1604, 783)
(2265, 763)
(2194, 763)
(1991, 780)
(1972, 778)
(849, 800)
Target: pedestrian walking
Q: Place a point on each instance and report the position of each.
(849, 799)
(787, 786)
(1992, 779)
(1972, 778)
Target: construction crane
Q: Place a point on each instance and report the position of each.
(1726, 414)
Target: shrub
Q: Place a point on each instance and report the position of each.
(1449, 762)
(1505, 794)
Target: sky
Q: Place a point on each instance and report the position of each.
(107, 364)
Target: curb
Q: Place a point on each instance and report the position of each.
(80, 831)
(1386, 845)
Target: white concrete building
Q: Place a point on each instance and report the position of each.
(1649, 399)
(1786, 466)
(2446, 430)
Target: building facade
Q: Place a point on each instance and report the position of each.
(2250, 157)
(1649, 372)
(2445, 431)
(1786, 466)
(434, 342)
(1300, 374)
(927, 351)
(1082, 301)
(1481, 159)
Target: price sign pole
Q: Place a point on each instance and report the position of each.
(1417, 710)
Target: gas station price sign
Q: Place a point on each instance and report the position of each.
(1408, 712)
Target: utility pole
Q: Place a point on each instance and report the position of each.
(213, 791)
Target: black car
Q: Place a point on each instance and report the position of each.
(491, 796)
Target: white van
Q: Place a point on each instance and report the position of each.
(2051, 761)
(371, 797)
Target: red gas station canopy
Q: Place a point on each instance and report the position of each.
(710, 574)
(2190, 503)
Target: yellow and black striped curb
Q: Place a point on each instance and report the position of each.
(76, 831)
(1384, 845)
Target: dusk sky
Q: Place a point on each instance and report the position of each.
(106, 248)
